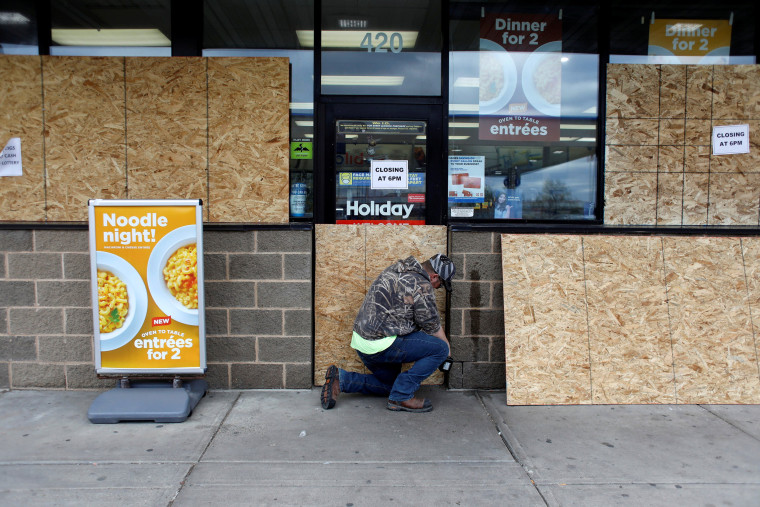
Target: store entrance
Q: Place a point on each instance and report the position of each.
(384, 164)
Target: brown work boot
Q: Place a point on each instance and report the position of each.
(331, 387)
(412, 405)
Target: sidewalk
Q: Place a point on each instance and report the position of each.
(281, 448)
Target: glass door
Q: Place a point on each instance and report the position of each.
(385, 163)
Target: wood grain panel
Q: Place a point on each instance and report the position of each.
(695, 190)
(339, 289)
(631, 198)
(630, 158)
(669, 198)
(631, 356)
(713, 345)
(633, 91)
(699, 91)
(166, 128)
(737, 92)
(672, 91)
(85, 133)
(734, 199)
(23, 197)
(545, 326)
(248, 136)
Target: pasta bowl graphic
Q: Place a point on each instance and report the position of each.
(163, 297)
(136, 295)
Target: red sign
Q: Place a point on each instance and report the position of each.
(520, 92)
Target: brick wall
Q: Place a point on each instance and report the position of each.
(476, 327)
(258, 310)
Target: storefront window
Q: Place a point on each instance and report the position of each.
(377, 48)
(694, 33)
(523, 112)
(104, 28)
(18, 28)
(270, 28)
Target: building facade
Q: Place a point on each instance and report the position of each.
(481, 129)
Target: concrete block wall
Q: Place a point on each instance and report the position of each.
(476, 327)
(258, 310)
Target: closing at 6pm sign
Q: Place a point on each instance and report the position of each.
(390, 174)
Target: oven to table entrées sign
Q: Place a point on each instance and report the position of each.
(146, 261)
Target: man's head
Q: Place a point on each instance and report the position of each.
(443, 270)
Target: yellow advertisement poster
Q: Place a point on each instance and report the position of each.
(695, 38)
(146, 262)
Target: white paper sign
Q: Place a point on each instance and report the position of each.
(10, 159)
(390, 174)
(730, 139)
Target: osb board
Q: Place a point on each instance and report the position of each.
(632, 131)
(22, 197)
(668, 319)
(670, 198)
(734, 199)
(248, 139)
(348, 258)
(692, 100)
(545, 320)
(672, 91)
(751, 258)
(715, 357)
(632, 91)
(630, 198)
(339, 289)
(699, 90)
(85, 133)
(737, 92)
(620, 158)
(166, 128)
(631, 356)
(695, 191)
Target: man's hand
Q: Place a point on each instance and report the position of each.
(440, 334)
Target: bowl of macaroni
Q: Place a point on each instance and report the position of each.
(173, 275)
(122, 301)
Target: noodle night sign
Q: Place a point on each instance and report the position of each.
(520, 77)
(146, 264)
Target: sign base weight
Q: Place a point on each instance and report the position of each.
(157, 401)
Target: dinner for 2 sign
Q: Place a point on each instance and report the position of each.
(146, 262)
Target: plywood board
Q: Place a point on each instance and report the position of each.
(737, 92)
(734, 199)
(672, 91)
(348, 259)
(619, 158)
(695, 191)
(85, 133)
(672, 131)
(713, 344)
(699, 91)
(545, 326)
(632, 91)
(248, 139)
(751, 257)
(669, 198)
(630, 198)
(631, 356)
(670, 159)
(632, 132)
(166, 128)
(339, 289)
(23, 197)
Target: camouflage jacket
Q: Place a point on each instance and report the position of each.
(400, 301)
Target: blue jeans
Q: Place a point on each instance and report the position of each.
(425, 351)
